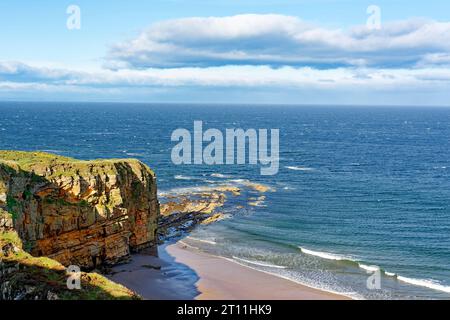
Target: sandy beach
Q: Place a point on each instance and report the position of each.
(182, 272)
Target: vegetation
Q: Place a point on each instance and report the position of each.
(11, 205)
(20, 173)
(27, 161)
(43, 275)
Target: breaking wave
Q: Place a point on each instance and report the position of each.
(427, 283)
(202, 240)
(299, 168)
(181, 177)
(219, 175)
(324, 255)
(431, 284)
(259, 263)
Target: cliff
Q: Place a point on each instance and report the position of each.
(24, 277)
(83, 213)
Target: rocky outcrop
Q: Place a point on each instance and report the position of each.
(83, 213)
(182, 210)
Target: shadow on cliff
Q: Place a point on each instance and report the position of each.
(174, 280)
(138, 195)
(40, 279)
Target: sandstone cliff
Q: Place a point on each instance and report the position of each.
(24, 277)
(83, 213)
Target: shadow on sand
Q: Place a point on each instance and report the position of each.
(157, 278)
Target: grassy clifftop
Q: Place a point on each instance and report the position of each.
(32, 161)
(23, 276)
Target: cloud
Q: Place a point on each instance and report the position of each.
(21, 75)
(239, 84)
(279, 40)
(258, 54)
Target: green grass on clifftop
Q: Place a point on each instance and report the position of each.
(41, 275)
(27, 160)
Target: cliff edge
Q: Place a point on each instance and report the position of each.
(84, 213)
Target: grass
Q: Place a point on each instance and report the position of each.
(27, 161)
(45, 274)
(42, 273)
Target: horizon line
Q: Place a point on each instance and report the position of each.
(215, 103)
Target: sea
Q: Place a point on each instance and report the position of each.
(360, 205)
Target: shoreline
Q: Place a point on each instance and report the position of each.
(184, 273)
(226, 279)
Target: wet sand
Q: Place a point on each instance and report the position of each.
(187, 273)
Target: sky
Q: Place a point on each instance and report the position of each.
(346, 52)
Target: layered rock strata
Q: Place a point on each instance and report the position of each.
(84, 213)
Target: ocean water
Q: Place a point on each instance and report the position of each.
(358, 187)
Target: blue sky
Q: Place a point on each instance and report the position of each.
(303, 52)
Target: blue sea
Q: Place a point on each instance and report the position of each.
(358, 187)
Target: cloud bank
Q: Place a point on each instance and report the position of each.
(225, 76)
(279, 40)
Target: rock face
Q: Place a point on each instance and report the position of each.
(83, 213)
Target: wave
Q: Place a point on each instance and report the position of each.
(369, 268)
(219, 175)
(202, 240)
(298, 168)
(427, 283)
(324, 255)
(373, 268)
(240, 181)
(431, 284)
(259, 263)
(134, 154)
(181, 177)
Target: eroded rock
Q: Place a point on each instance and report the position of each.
(83, 213)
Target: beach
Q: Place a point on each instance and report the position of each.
(183, 272)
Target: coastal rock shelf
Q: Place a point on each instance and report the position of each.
(84, 213)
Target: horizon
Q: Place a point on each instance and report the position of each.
(219, 104)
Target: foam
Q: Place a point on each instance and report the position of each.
(259, 263)
(427, 283)
(219, 175)
(299, 168)
(369, 268)
(202, 240)
(324, 255)
(181, 177)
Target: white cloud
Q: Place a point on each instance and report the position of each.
(277, 40)
(225, 76)
(257, 52)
